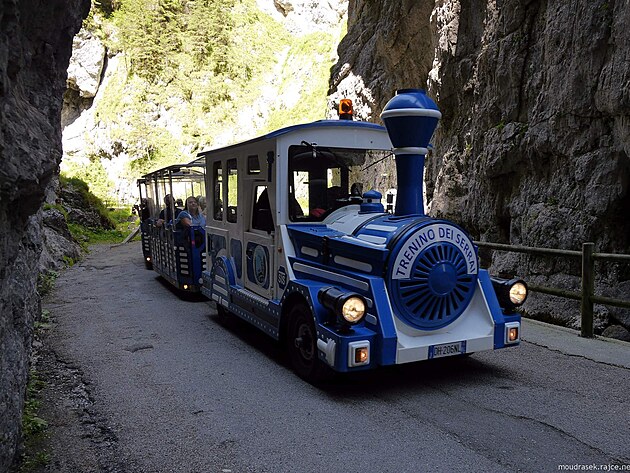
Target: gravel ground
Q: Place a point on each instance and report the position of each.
(141, 380)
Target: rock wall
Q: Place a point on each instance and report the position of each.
(305, 16)
(35, 48)
(533, 147)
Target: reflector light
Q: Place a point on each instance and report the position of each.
(345, 109)
(513, 334)
(361, 355)
(358, 353)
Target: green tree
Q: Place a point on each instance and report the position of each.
(150, 35)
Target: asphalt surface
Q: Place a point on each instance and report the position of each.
(145, 381)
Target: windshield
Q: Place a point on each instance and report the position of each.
(323, 179)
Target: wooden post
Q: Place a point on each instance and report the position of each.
(588, 287)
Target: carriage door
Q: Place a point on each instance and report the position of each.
(259, 236)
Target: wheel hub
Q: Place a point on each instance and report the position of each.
(304, 341)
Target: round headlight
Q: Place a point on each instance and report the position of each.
(518, 293)
(353, 309)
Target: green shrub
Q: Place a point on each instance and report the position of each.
(46, 282)
(33, 426)
(58, 207)
(90, 200)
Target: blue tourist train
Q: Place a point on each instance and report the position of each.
(317, 235)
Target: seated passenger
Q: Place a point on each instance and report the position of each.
(142, 210)
(356, 190)
(165, 214)
(202, 204)
(192, 216)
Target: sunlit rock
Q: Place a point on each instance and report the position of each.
(86, 64)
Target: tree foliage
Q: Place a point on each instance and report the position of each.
(191, 69)
(155, 34)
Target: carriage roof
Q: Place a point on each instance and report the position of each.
(292, 129)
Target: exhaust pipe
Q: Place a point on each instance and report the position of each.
(410, 118)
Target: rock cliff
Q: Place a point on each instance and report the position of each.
(35, 48)
(533, 147)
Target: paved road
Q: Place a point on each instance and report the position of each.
(154, 383)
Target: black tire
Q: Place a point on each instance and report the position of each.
(301, 344)
(148, 265)
(223, 313)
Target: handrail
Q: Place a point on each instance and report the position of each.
(586, 295)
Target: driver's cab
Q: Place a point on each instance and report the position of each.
(324, 179)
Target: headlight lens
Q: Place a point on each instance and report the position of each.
(353, 309)
(347, 307)
(518, 293)
(511, 293)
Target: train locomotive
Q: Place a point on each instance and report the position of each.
(296, 248)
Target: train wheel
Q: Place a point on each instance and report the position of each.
(223, 313)
(302, 346)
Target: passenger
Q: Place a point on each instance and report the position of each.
(356, 193)
(192, 216)
(202, 204)
(165, 214)
(142, 210)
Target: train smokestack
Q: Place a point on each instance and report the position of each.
(410, 118)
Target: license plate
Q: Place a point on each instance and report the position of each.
(447, 349)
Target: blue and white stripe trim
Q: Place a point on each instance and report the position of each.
(411, 150)
(412, 112)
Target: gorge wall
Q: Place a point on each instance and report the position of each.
(35, 47)
(533, 147)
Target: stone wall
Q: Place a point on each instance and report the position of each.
(35, 47)
(533, 148)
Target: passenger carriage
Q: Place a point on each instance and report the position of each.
(175, 252)
(300, 245)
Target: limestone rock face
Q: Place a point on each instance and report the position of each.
(86, 64)
(389, 45)
(533, 147)
(35, 48)
(305, 16)
(57, 242)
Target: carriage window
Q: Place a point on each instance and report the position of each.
(322, 179)
(217, 178)
(299, 193)
(232, 191)
(253, 165)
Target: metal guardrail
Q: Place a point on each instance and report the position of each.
(586, 295)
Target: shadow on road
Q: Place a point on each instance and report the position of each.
(412, 377)
(416, 377)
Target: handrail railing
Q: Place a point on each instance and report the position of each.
(586, 295)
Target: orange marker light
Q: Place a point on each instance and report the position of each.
(361, 355)
(513, 334)
(345, 109)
